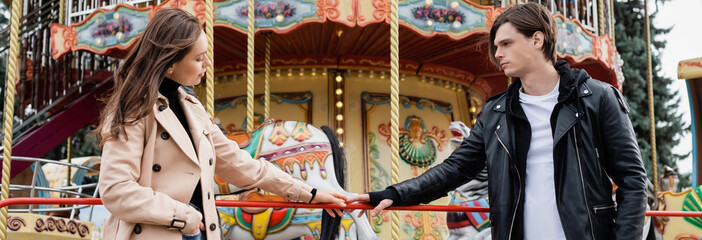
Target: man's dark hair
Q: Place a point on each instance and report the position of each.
(527, 19)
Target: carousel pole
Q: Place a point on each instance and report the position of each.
(250, 68)
(8, 111)
(600, 17)
(395, 108)
(651, 118)
(62, 11)
(611, 21)
(267, 80)
(209, 30)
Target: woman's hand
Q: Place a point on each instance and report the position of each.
(202, 229)
(331, 197)
(365, 198)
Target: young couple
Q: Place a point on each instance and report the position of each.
(553, 143)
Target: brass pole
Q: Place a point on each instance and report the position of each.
(9, 109)
(651, 113)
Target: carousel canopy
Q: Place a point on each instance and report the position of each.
(443, 38)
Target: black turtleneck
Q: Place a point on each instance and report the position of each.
(169, 89)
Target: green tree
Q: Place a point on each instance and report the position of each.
(631, 44)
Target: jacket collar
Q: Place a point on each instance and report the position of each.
(573, 86)
(170, 122)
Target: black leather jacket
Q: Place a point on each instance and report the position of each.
(593, 142)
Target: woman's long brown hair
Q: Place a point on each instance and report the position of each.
(166, 40)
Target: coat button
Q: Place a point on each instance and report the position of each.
(213, 226)
(165, 135)
(137, 229)
(498, 107)
(586, 91)
(498, 126)
(211, 161)
(162, 107)
(156, 168)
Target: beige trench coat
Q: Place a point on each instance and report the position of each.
(147, 179)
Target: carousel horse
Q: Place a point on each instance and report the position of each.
(308, 154)
(468, 225)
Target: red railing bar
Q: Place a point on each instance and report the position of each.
(350, 206)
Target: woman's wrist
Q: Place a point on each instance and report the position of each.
(314, 194)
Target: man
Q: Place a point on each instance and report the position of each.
(551, 142)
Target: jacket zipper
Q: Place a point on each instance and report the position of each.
(580, 167)
(519, 196)
(602, 208)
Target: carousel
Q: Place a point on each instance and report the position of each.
(343, 95)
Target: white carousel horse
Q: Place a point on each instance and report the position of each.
(307, 153)
(465, 225)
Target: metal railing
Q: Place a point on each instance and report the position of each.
(75, 190)
(79, 9)
(350, 206)
(585, 11)
(45, 85)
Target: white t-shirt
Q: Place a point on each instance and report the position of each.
(541, 219)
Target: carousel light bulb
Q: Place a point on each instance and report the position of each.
(454, 4)
(277, 72)
(119, 35)
(98, 41)
(382, 75)
(341, 144)
(424, 79)
(402, 77)
(339, 131)
(339, 78)
(314, 72)
(431, 80)
(340, 117)
(302, 72)
(430, 22)
(456, 24)
(371, 74)
(324, 72)
(280, 18)
(289, 72)
(360, 73)
(473, 121)
(428, 2)
(116, 16)
(339, 104)
(339, 91)
(473, 109)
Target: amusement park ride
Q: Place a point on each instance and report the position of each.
(314, 63)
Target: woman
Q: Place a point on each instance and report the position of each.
(161, 150)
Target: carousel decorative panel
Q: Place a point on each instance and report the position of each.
(230, 113)
(424, 142)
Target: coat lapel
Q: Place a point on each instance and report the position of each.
(170, 122)
(195, 116)
(567, 117)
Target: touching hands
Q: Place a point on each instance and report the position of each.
(365, 198)
(331, 197)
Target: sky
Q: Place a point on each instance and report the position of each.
(684, 42)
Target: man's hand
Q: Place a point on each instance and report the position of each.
(364, 198)
(331, 197)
